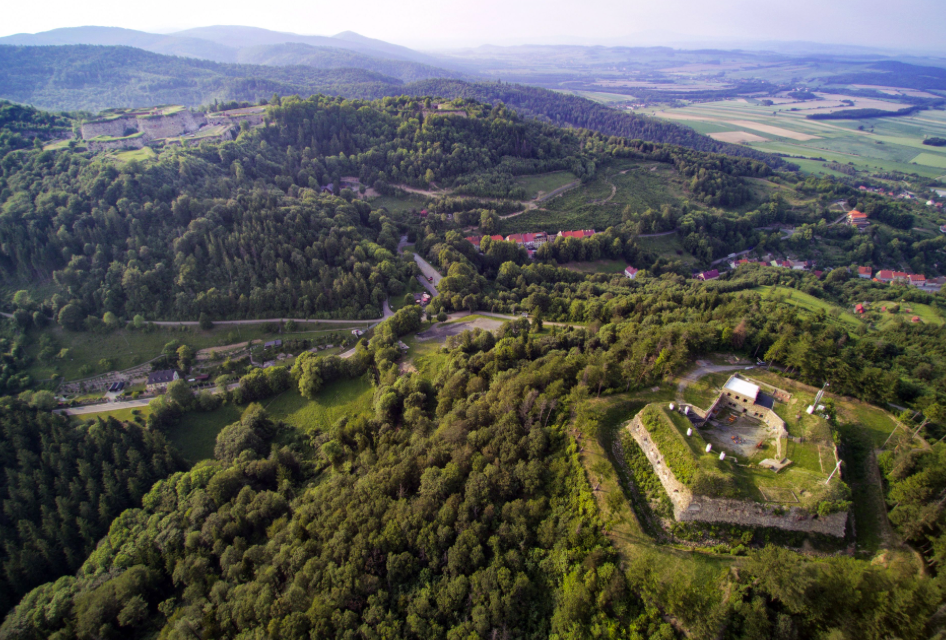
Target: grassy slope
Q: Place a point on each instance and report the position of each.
(345, 398)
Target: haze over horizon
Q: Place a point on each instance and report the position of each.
(916, 26)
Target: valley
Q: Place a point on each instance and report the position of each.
(313, 337)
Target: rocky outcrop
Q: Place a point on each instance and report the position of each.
(688, 508)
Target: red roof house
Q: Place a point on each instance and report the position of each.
(630, 272)
(712, 274)
(864, 272)
(859, 308)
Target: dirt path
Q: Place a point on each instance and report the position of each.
(542, 197)
(423, 192)
(701, 371)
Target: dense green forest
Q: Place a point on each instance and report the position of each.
(241, 230)
(62, 486)
(454, 499)
(92, 78)
(457, 506)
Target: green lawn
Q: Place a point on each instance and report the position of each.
(345, 398)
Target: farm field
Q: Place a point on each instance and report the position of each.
(888, 144)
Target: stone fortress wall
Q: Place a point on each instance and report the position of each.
(688, 507)
(114, 128)
(169, 124)
(175, 124)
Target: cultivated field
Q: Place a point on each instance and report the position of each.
(877, 144)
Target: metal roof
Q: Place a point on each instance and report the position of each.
(742, 387)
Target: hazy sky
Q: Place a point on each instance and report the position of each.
(912, 24)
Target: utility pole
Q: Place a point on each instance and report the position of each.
(836, 467)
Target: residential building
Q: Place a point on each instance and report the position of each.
(158, 381)
(857, 219)
(631, 272)
(712, 274)
(865, 272)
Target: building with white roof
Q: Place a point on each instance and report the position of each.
(741, 390)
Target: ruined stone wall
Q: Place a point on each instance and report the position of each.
(126, 143)
(171, 125)
(253, 119)
(690, 508)
(114, 128)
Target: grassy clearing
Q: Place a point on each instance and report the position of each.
(809, 303)
(591, 205)
(345, 398)
(425, 356)
(596, 266)
(539, 184)
(196, 434)
(141, 155)
(123, 415)
(399, 205)
(905, 313)
(127, 348)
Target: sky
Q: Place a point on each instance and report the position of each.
(912, 25)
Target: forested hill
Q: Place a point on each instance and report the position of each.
(20, 124)
(573, 111)
(98, 77)
(92, 78)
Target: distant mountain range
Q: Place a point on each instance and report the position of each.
(252, 45)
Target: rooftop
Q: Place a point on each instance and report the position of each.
(742, 387)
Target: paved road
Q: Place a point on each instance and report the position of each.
(106, 406)
(429, 272)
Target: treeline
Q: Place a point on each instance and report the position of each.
(92, 78)
(458, 507)
(573, 111)
(61, 488)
